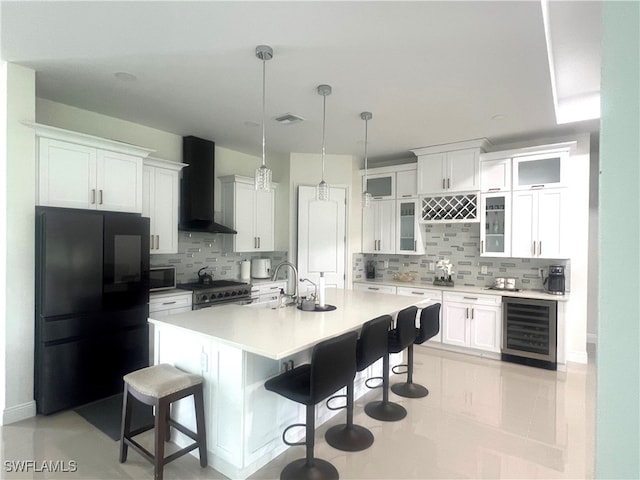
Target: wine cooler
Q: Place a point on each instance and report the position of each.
(529, 332)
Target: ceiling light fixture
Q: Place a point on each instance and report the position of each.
(323, 187)
(366, 196)
(263, 174)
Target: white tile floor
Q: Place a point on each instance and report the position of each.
(482, 419)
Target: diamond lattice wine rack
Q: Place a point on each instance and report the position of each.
(450, 208)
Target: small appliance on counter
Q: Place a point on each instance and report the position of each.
(371, 269)
(245, 269)
(555, 282)
(260, 268)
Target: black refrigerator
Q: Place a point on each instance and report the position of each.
(92, 294)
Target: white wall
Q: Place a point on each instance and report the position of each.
(3, 230)
(19, 307)
(165, 144)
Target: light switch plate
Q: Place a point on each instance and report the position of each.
(483, 270)
(382, 264)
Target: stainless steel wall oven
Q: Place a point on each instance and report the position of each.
(529, 332)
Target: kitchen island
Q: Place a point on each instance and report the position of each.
(236, 348)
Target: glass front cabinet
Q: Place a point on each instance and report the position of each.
(495, 225)
(409, 236)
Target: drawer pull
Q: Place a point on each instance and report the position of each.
(373, 288)
(168, 303)
(418, 293)
(494, 189)
(470, 298)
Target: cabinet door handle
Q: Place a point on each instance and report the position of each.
(100, 197)
(494, 189)
(93, 196)
(406, 196)
(537, 186)
(258, 242)
(472, 313)
(481, 246)
(467, 310)
(533, 249)
(443, 184)
(158, 242)
(415, 245)
(540, 247)
(151, 238)
(448, 183)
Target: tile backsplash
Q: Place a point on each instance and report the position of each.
(460, 243)
(197, 250)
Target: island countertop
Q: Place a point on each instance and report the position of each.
(281, 332)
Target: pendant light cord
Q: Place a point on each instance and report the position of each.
(264, 143)
(324, 114)
(366, 142)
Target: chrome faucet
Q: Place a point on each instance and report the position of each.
(295, 277)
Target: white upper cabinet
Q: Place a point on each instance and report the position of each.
(379, 227)
(408, 236)
(381, 186)
(495, 224)
(83, 171)
(160, 200)
(539, 224)
(449, 172)
(539, 171)
(250, 212)
(406, 184)
(495, 175)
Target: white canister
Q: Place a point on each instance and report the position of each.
(510, 283)
(245, 269)
(499, 282)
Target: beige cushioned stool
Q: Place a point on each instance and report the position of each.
(160, 386)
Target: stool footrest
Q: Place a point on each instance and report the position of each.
(395, 368)
(334, 398)
(140, 430)
(371, 379)
(284, 433)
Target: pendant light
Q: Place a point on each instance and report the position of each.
(263, 174)
(323, 187)
(366, 196)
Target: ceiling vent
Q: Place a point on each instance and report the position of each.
(288, 119)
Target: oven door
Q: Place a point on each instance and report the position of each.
(234, 301)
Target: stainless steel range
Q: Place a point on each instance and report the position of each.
(218, 292)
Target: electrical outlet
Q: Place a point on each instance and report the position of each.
(432, 266)
(382, 264)
(483, 270)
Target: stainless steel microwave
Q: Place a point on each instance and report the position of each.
(162, 278)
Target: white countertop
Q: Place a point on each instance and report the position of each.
(535, 294)
(278, 333)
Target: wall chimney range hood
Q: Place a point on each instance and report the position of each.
(197, 187)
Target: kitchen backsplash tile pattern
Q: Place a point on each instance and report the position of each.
(460, 243)
(197, 250)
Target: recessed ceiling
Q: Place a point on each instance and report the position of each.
(430, 72)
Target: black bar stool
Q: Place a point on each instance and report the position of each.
(333, 366)
(373, 345)
(429, 327)
(160, 386)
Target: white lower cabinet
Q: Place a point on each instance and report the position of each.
(375, 288)
(267, 292)
(472, 321)
(163, 304)
(425, 294)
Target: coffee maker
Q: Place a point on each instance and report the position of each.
(371, 269)
(555, 280)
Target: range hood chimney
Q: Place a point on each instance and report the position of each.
(197, 187)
